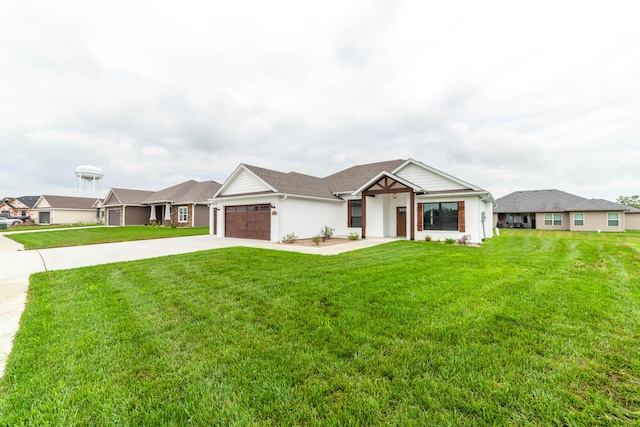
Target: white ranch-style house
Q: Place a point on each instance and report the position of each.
(397, 198)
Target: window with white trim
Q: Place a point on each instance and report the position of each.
(183, 214)
(613, 219)
(552, 219)
(578, 219)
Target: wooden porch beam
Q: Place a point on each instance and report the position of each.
(399, 190)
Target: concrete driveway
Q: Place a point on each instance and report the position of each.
(16, 265)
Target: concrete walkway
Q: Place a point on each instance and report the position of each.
(16, 265)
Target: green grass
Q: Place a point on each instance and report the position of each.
(91, 236)
(29, 226)
(526, 330)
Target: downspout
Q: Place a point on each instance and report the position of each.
(211, 219)
(484, 233)
(280, 220)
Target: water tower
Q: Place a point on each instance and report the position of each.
(89, 181)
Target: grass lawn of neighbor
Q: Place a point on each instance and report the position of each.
(532, 328)
(91, 236)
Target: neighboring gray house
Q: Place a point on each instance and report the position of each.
(558, 210)
(183, 204)
(126, 207)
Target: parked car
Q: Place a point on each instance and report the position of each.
(10, 221)
(22, 218)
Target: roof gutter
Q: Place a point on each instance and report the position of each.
(270, 195)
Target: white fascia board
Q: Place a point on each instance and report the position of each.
(269, 196)
(489, 197)
(484, 195)
(392, 176)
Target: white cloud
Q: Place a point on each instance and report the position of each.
(505, 95)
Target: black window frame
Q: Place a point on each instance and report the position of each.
(358, 218)
(441, 221)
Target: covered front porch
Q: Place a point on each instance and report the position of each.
(388, 208)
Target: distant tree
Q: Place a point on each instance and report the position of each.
(629, 201)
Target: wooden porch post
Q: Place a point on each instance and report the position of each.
(364, 216)
(412, 215)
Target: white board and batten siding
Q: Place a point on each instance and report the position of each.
(245, 183)
(306, 218)
(428, 180)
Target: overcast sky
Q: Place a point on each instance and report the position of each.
(506, 95)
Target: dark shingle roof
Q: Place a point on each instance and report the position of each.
(537, 201)
(599, 205)
(68, 202)
(199, 192)
(186, 192)
(346, 181)
(293, 183)
(351, 179)
(170, 194)
(125, 196)
(29, 201)
(551, 201)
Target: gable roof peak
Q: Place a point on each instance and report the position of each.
(348, 180)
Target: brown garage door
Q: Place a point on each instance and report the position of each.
(114, 217)
(248, 222)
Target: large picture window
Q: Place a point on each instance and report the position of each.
(440, 216)
(183, 214)
(355, 213)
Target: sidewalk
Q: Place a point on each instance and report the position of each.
(16, 265)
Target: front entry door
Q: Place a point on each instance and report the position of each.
(401, 222)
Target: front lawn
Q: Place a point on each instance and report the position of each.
(91, 236)
(526, 330)
(30, 226)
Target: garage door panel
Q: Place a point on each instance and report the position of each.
(114, 217)
(44, 217)
(248, 222)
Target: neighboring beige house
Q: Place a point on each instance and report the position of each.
(558, 210)
(68, 210)
(397, 198)
(184, 204)
(632, 219)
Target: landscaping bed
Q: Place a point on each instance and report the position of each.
(327, 242)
